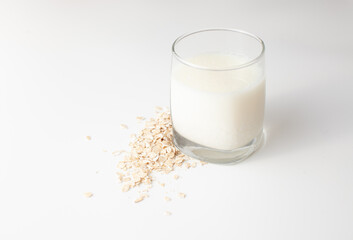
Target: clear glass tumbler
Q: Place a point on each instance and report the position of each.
(218, 94)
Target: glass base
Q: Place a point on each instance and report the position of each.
(212, 155)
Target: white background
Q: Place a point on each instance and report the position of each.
(69, 69)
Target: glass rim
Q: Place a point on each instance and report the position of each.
(246, 64)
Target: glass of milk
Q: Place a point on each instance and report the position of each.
(218, 94)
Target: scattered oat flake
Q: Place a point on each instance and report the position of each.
(105, 150)
(162, 184)
(168, 199)
(140, 118)
(89, 138)
(158, 108)
(203, 163)
(167, 213)
(125, 188)
(126, 179)
(140, 198)
(176, 177)
(194, 164)
(118, 152)
(182, 195)
(88, 194)
(124, 126)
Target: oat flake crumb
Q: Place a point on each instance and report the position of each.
(140, 119)
(176, 177)
(167, 213)
(124, 126)
(118, 152)
(140, 198)
(158, 108)
(168, 199)
(120, 176)
(126, 179)
(125, 188)
(182, 195)
(88, 194)
(89, 138)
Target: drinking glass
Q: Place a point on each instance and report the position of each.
(218, 94)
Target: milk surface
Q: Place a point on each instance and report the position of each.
(218, 109)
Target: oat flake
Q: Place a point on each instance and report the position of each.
(140, 198)
(182, 195)
(88, 194)
(124, 126)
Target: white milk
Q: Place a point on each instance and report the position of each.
(218, 109)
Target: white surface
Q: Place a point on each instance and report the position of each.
(74, 68)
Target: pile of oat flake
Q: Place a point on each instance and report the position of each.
(151, 151)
